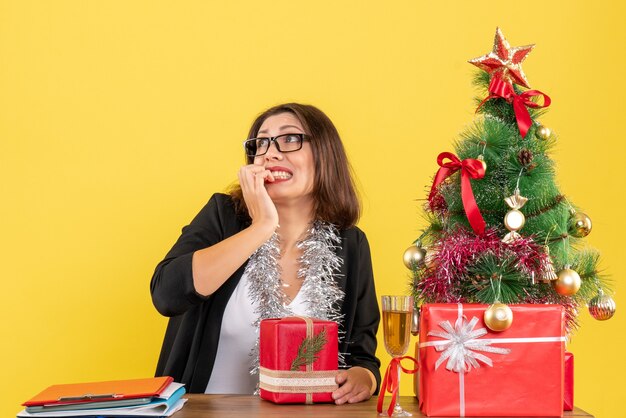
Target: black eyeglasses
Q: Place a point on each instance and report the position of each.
(256, 147)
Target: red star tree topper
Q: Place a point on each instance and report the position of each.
(504, 60)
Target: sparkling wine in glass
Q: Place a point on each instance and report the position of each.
(397, 314)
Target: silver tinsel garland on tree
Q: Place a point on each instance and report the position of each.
(319, 262)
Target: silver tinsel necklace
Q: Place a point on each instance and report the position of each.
(318, 264)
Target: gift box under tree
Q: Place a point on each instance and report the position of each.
(468, 370)
(298, 359)
(568, 388)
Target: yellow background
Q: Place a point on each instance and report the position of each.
(119, 119)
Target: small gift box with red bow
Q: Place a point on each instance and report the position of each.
(298, 359)
(468, 370)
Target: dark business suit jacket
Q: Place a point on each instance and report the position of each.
(190, 343)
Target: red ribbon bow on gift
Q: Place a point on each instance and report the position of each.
(391, 382)
(470, 168)
(504, 89)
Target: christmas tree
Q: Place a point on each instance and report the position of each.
(499, 229)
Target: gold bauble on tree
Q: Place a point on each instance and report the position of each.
(481, 158)
(567, 282)
(431, 258)
(543, 132)
(579, 224)
(602, 307)
(498, 317)
(414, 256)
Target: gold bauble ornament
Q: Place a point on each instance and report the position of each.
(543, 132)
(431, 258)
(498, 317)
(579, 225)
(567, 282)
(414, 256)
(481, 158)
(602, 307)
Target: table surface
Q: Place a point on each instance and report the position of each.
(234, 406)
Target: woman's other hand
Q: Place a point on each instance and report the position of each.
(355, 385)
(262, 210)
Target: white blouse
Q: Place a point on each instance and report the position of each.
(238, 335)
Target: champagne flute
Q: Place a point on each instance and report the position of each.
(397, 314)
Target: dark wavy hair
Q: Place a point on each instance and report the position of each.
(334, 192)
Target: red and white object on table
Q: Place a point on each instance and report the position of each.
(279, 345)
(468, 370)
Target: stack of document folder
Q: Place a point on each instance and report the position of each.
(152, 397)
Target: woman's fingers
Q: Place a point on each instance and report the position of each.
(361, 396)
(252, 179)
(260, 179)
(250, 173)
(247, 181)
(354, 386)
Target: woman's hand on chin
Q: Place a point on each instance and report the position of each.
(262, 210)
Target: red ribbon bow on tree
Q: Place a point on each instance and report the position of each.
(391, 382)
(504, 89)
(470, 168)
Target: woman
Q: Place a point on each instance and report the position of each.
(283, 242)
